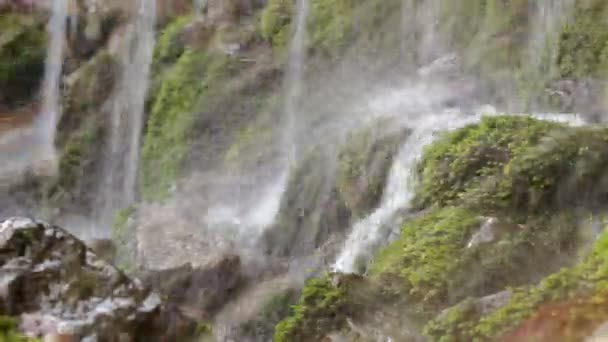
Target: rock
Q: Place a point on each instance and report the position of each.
(58, 287)
(493, 302)
(600, 334)
(486, 234)
(104, 248)
(491, 230)
(198, 292)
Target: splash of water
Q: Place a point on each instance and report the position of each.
(128, 112)
(46, 122)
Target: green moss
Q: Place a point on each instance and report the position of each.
(22, 56)
(330, 24)
(170, 45)
(8, 331)
(277, 308)
(167, 139)
(515, 165)
(523, 171)
(81, 130)
(587, 279)
(318, 312)
(583, 47)
(275, 20)
(428, 255)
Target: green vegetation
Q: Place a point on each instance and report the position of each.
(577, 294)
(275, 22)
(514, 165)
(320, 310)
(167, 139)
(329, 26)
(80, 131)
(428, 255)
(170, 45)
(22, 55)
(583, 48)
(8, 331)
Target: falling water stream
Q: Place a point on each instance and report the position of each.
(46, 122)
(127, 117)
(294, 79)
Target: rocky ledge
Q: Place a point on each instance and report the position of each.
(52, 284)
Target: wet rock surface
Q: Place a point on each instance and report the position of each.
(54, 284)
(198, 292)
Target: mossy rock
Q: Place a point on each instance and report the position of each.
(565, 306)
(277, 308)
(81, 132)
(171, 44)
(311, 210)
(22, 58)
(329, 25)
(275, 21)
(167, 140)
(364, 166)
(583, 44)
(514, 164)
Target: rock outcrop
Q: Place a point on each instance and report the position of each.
(55, 285)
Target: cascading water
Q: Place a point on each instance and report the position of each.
(128, 112)
(294, 79)
(397, 194)
(46, 122)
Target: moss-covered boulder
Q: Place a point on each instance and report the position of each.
(22, 57)
(567, 305)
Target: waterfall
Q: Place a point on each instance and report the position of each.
(549, 17)
(294, 78)
(127, 116)
(419, 30)
(398, 191)
(46, 123)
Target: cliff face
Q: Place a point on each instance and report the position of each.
(503, 228)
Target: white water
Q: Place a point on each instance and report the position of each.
(46, 122)
(398, 191)
(122, 163)
(294, 79)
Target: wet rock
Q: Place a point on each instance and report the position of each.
(493, 302)
(491, 230)
(58, 286)
(104, 248)
(580, 96)
(198, 292)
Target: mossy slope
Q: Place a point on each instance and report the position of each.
(516, 169)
